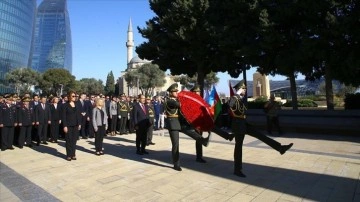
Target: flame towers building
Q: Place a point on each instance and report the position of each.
(52, 37)
(16, 29)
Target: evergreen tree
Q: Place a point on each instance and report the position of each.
(110, 84)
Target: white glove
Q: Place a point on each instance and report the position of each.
(119, 116)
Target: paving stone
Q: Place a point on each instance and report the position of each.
(320, 168)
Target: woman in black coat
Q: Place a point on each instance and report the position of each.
(71, 119)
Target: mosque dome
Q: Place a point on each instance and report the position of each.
(136, 60)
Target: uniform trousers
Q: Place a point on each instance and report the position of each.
(174, 137)
(123, 121)
(150, 131)
(199, 148)
(71, 138)
(7, 137)
(99, 138)
(25, 135)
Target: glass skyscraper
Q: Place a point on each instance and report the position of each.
(16, 31)
(52, 37)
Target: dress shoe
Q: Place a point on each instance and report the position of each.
(11, 148)
(151, 143)
(284, 148)
(101, 153)
(84, 138)
(73, 158)
(97, 153)
(139, 153)
(21, 147)
(178, 168)
(145, 152)
(45, 143)
(68, 159)
(200, 160)
(240, 174)
(3, 149)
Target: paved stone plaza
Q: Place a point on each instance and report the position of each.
(316, 168)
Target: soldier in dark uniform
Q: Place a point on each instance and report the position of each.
(172, 110)
(198, 145)
(8, 121)
(26, 120)
(17, 103)
(239, 128)
(123, 113)
(151, 112)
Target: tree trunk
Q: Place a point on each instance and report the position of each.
(329, 89)
(293, 91)
(200, 79)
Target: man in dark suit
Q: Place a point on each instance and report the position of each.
(8, 121)
(42, 119)
(142, 123)
(84, 107)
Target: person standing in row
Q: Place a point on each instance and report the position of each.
(71, 119)
(159, 113)
(113, 111)
(84, 108)
(42, 120)
(99, 121)
(8, 122)
(26, 120)
(150, 130)
(240, 127)
(123, 112)
(142, 123)
(55, 111)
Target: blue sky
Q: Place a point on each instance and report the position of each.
(99, 34)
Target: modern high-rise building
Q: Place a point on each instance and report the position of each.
(52, 37)
(16, 31)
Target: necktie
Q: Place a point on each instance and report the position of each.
(143, 108)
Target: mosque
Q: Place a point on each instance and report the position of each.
(132, 64)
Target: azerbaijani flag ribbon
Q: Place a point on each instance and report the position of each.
(215, 103)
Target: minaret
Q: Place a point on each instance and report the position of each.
(130, 43)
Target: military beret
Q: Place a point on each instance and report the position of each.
(173, 88)
(196, 88)
(239, 85)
